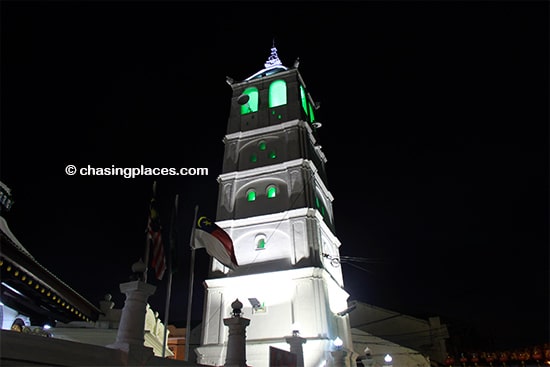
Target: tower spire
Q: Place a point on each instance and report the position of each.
(273, 59)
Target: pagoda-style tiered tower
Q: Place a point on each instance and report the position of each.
(275, 204)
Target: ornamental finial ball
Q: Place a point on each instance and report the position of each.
(138, 267)
(237, 307)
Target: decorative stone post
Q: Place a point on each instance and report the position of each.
(367, 360)
(106, 305)
(130, 335)
(339, 354)
(296, 342)
(339, 358)
(105, 319)
(236, 342)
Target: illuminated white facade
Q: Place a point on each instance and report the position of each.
(274, 203)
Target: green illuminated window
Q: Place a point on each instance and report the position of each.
(277, 93)
(320, 205)
(272, 154)
(251, 195)
(260, 241)
(304, 99)
(262, 145)
(271, 191)
(252, 104)
(311, 115)
(253, 158)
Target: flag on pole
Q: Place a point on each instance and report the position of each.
(216, 241)
(158, 261)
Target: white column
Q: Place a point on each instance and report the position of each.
(130, 335)
(132, 321)
(236, 342)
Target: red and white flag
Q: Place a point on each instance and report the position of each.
(216, 241)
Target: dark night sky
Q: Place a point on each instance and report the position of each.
(434, 120)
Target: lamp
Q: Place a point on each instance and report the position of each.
(254, 303)
(352, 307)
(338, 343)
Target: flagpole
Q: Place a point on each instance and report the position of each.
(146, 257)
(173, 244)
(147, 242)
(191, 281)
(167, 309)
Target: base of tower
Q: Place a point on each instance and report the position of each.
(317, 353)
(307, 300)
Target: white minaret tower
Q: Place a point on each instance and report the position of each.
(275, 204)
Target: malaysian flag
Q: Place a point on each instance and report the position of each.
(158, 261)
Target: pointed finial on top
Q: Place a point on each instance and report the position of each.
(273, 59)
(138, 270)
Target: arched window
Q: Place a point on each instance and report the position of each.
(262, 145)
(251, 195)
(304, 99)
(320, 205)
(277, 93)
(260, 241)
(271, 191)
(311, 115)
(252, 104)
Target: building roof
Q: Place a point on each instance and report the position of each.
(28, 287)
